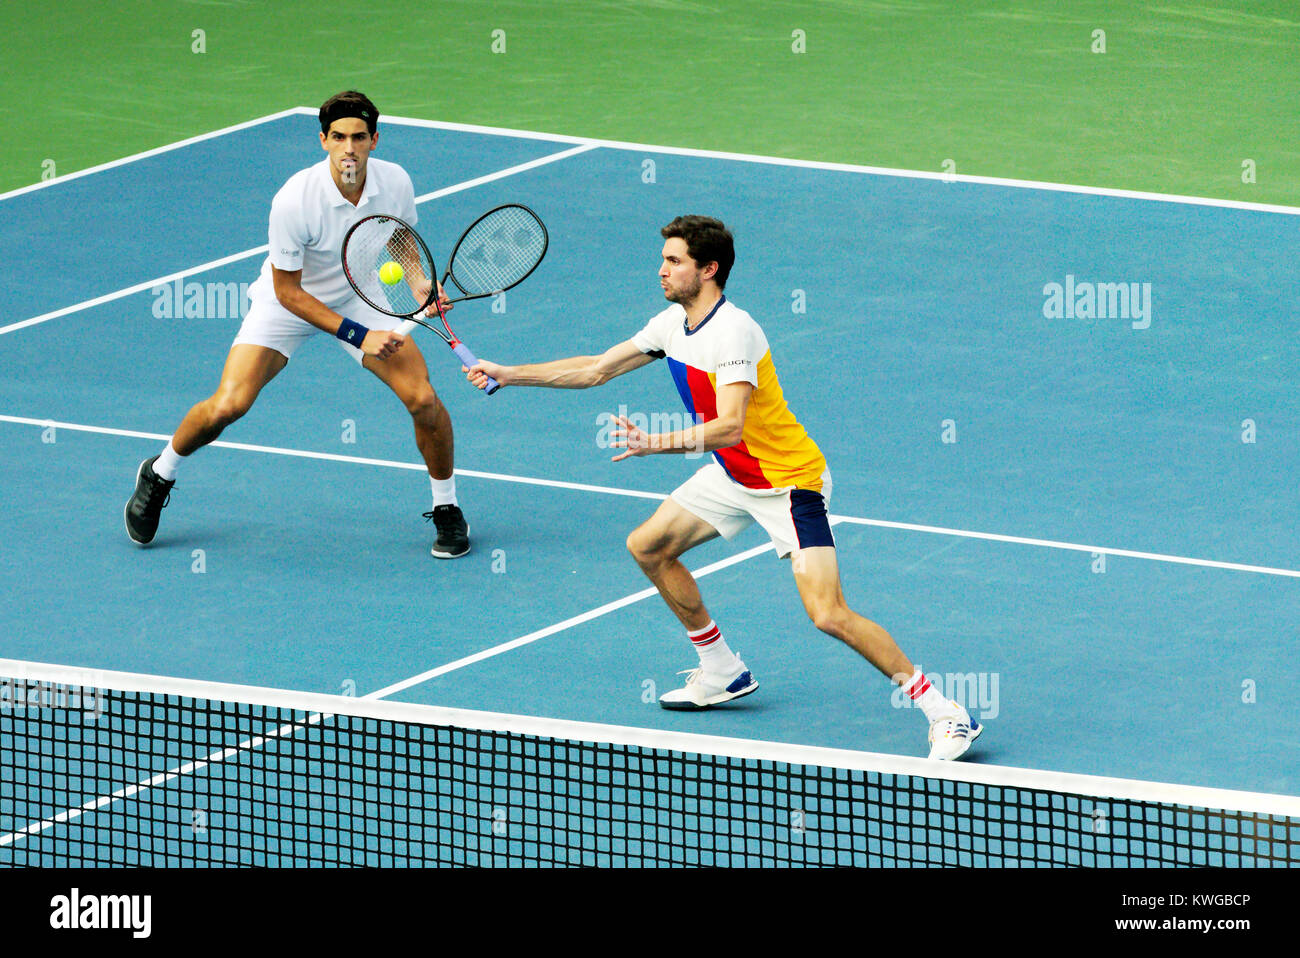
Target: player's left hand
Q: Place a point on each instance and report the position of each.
(629, 437)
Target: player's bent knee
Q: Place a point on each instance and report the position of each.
(643, 548)
(226, 407)
(423, 403)
(829, 618)
(634, 544)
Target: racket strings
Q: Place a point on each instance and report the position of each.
(498, 251)
(375, 242)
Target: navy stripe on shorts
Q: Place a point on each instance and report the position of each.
(811, 523)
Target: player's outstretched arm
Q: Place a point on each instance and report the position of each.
(576, 372)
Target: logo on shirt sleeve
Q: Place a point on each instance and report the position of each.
(735, 362)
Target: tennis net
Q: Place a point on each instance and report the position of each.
(115, 769)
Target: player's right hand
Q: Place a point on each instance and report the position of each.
(382, 343)
(478, 376)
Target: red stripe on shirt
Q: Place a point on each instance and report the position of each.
(701, 387)
(743, 467)
(740, 464)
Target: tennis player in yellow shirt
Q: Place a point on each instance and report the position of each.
(765, 469)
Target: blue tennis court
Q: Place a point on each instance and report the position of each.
(1087, 521)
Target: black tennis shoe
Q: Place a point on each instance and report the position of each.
(152, 493)
(453, 532)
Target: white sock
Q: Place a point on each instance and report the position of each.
(927, 697)
(164, 466)
(444, 491)
(715, 656)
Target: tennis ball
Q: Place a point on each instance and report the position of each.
(390, 273)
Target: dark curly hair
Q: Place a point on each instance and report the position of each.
(708, 241)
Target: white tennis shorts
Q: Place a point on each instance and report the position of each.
(269, 324)
(794, 518)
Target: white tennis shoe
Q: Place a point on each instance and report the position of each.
(704, 689)
(951, 735)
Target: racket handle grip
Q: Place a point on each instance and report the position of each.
(406, 328)
(469, 359)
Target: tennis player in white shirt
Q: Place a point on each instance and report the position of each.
(303, 292)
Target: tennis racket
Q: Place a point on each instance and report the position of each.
(498, 252)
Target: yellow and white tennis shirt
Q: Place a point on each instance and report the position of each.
(729, 347)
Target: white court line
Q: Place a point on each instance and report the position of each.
(509, 171)
(591, 142)
(248, 253)
(220, 755)
(1072, 546)
(609, 490)
(154, 152)
(335, 457)
(844, 167)
(130, 290)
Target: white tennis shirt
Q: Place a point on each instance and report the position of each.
(310, 217)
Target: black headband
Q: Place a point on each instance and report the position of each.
(344, 108)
